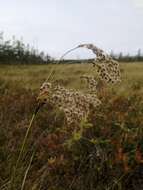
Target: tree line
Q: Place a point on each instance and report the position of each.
(16, 52)
(128, 58)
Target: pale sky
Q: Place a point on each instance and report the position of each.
(58, 25)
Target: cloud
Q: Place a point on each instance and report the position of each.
(138, 3)
(56, 26)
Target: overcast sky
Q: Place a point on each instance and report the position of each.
(58, 25)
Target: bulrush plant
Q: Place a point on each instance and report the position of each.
(76, 105)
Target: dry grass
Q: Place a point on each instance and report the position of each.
(68, 75)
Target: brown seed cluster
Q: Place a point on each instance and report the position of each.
(75, 104)
(91, 82)
(107, 68)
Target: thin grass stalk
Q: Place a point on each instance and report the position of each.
(5, 185)
(27, 170)
(60, 59)
(116, 182)
(50, 75)
(24, 141)
(67, 53)
(22, 147)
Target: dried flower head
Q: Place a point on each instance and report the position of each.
(107, 68)
(91, 82)
(75, 104)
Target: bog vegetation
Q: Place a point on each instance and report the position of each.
(102, 152)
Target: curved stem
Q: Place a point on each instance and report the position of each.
(60, 59)
(67, 53)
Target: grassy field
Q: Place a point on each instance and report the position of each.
(108, 155)
(31, 77)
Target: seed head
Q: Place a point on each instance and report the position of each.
(75, 104)
(107, 68)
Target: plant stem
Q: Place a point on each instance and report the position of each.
(25, 138)
(22, 147)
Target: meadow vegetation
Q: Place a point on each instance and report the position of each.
(105, 153)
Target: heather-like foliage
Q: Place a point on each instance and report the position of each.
(104, 153)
